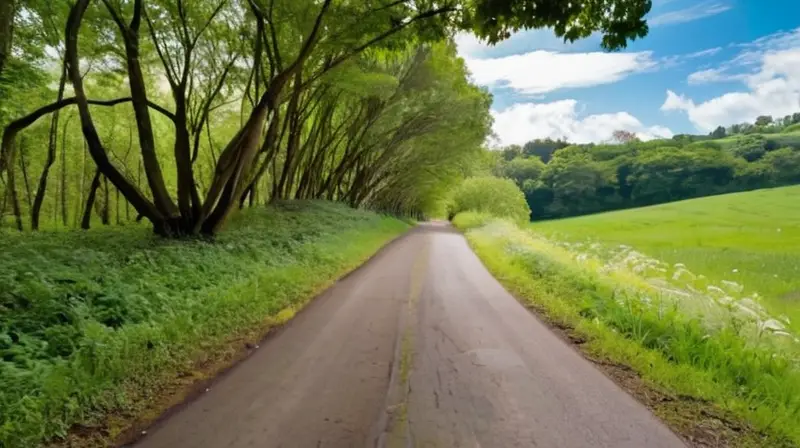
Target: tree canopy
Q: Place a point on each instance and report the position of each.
(581, 179)
(189, 110)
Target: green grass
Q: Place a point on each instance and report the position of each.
(751, 238)
(705, 369)
(795, 128)
(790, 137)
(94, 322)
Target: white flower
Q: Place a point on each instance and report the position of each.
(732, 286)
(735, 271)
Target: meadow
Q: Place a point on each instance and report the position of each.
(100, 322)
(751, 238)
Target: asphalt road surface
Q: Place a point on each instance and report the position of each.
(420, 347)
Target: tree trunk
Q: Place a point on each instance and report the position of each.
(105, 214)
(188, 197)
(82, 188)
(161, 221)
(87, 210)
(23, 165)
(51, 158)
(166, 209)
(64, 205)
(7, 10)
(12, 190)
(116, 205)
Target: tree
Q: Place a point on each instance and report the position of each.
(299, 130)
(623, 136)
(618, 21)
(783, 165)
(7, 12)
(491, 195)
(522, 169)
(578, 184)
(751, 148)
(670, 174)
(719, 132)
(543, 149)
(763, 120)
(511, 152)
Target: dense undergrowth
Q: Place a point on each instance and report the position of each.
(89, 321)
(715, 355)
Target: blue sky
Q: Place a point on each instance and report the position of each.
(704, 63)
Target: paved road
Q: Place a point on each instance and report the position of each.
(420, 347)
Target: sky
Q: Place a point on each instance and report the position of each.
(704, 63)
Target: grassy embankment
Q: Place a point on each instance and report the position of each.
(98, 323)
(675, 292)
(751, 238)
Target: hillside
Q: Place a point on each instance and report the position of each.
(752, 238)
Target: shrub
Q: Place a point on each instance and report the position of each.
(492, 195)
(471, 220)
(786, 140)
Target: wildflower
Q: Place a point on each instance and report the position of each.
(732, 286)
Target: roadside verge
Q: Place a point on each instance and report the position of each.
(710, 386)
(138, 321)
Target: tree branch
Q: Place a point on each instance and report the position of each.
(395, 29)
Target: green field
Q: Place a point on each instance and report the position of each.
(751, 238)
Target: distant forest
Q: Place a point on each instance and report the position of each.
(561, 179)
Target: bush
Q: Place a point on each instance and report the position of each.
(471, 220)
(786, 140)
(783, 166)
(492, 195)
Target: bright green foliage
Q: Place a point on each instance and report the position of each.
(751, 238)
(619, 319)
(244, 101)
(584, 179)
(521, 169)
(618, 20)
(491, 195)
(91, 321)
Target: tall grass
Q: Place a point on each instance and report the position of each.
(752, 239)
(91, 322)
(715, 352)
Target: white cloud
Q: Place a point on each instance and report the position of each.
(769, 70)
(704, 53)
(561, 119)
(523, 41)
(544, 71)
(699, 11)
(711, 75)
